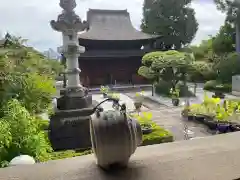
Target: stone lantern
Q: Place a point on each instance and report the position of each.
(74, 132)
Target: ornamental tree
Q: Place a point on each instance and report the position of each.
(171, 66)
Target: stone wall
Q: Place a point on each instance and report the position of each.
(211, 158)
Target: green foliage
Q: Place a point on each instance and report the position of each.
(163, 87)
(104, 89)
(114, 96)
(215, 57)
(158, 135)
(170, 66)
(214, 85)
(229, 111)
(20, 133)
(202, 70)
(175, 93)
(228, 67)
(34, 91)
(43, 124)
(173, 19)
(231, 8)
(26, 75)
(224, 41)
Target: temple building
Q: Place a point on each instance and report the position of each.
(114, 49)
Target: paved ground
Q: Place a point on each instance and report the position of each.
(170, 119)
(198, 99)
(123, 99)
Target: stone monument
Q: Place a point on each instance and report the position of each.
(69, 129)
(236, 85)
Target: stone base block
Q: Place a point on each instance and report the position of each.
(236, 93)
(73, 100)
(69, 132)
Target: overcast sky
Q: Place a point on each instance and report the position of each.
(30, 18)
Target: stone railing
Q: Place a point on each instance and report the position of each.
(211, 158)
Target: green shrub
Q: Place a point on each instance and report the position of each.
(34, 91)
(158, 134)
(163, 88)
(214, 85)
(43, 124)
(20, 133)
(184, 91)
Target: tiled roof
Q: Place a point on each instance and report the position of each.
(112, 25)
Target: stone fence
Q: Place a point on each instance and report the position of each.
(211, 158)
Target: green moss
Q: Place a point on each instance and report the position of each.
(67, 154)
(159, 135)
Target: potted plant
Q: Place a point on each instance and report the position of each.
(174, 92)
(218, 93)
(104, 90)
(146, 128)
(144, 119)
(138, 100)
(115, 96)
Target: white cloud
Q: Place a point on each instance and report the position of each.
(30, 18)
(209, 19)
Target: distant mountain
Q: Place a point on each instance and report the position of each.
(51, 54)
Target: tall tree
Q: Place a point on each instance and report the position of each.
(174, 20)
(224, 41)
(232, 10)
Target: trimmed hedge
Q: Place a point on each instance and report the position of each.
(214, 85)
(163, 88)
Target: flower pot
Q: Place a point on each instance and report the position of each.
(115, 105)
(175, 102)
(191, 117)
(218, 95)
(146, 128)
(199, 118)
(234, 127)
(210, 123)
(138, 105)
(223, 127)
(185, 113)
